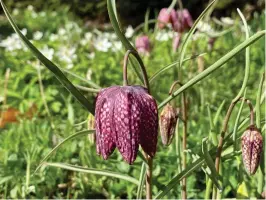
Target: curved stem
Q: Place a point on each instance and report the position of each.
(125, 81)
(173, 86)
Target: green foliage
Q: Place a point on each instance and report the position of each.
(63, 38)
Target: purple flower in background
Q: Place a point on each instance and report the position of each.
(143, 44)
(126, 117)
(181, 20)
(163, 18)
(176, 41)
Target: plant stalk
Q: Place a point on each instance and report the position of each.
(149, 178)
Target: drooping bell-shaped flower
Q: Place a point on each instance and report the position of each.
(164, 17)
(252, 144)
(143, 44)
(168, 120)
(181, 20)
(126, 117)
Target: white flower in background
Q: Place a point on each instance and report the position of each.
(37, 35)
(227, 21)
(47, 52)
(91, 55)
(197, 35)
(61, 31)
(36, 65)
(205, 27)
(15, 11)
(67, 55)
(34, 15)
(129, 32)
(53, 37)
(102, 44)
(87, 39)
(162, 36)
(12, 42)
(1, 99)
(117, 46)
(88, 74)
(30, 8)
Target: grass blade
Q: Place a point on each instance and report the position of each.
(214, 176)
(93, 171)
(80, 133)
(91, 83)
(215, 66)
(51, 66)
(141, 180)
(218, 113)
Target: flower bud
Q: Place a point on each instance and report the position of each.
(143, 44)
(252, 144)
(168, 120)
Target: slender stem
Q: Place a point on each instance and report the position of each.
(208, 189)
(184, 116)
(86, 89)
(143, 70)
(173, 86)
(43, 94)
(149, 178)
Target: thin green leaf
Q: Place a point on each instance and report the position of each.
(146, 21)
(213, 175)
(218, 113)
(91, 83)
(156, 74)
(94, 171)
(141, 180)
(190, 33)
(213, 134)
(247, 60)
(51, 66)
(80, 133)
(86, 89)
(214, 67)
(259, 92)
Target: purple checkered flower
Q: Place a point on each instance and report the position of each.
(252, 144)
(126, 117)
(164, 17)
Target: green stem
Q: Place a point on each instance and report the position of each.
(258, 123)
(208, 189)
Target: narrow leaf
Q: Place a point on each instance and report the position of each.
(218, 113)
(94, 171)
(80, 133)
(141, 180)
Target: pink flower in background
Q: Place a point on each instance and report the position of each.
(181, 20)
(176, 41)
(163, 18)
(126, 117)
(143, 44)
